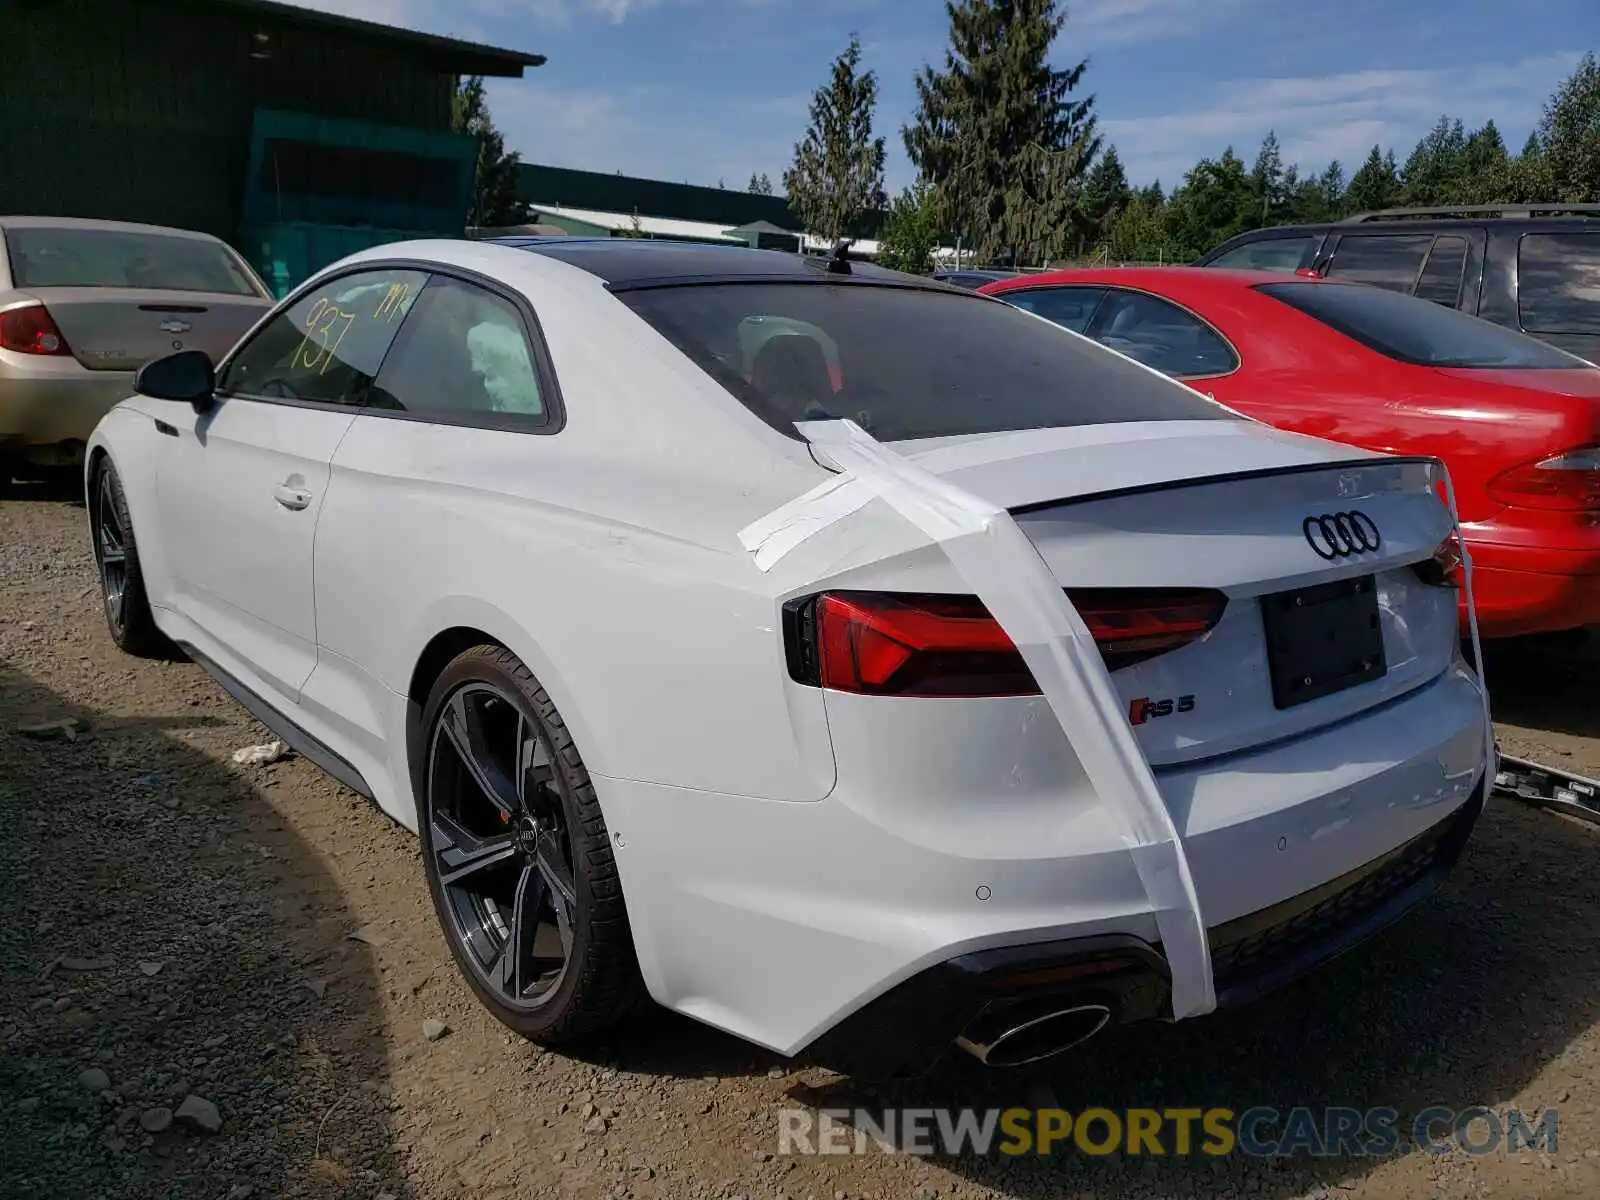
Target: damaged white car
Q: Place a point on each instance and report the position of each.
(847, 661)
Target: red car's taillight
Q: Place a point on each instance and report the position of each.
(893, 644)
(29, 329)
(1565, 482)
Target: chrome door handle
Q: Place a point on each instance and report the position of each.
(292, 498)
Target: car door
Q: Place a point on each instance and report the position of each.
(467, 374)
(242, 487)
(1160, 334)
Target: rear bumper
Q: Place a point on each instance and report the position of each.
(916, 1021)
(1532, 583)
(49, 404)
(777, 921)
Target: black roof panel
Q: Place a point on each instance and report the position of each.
(625, 263)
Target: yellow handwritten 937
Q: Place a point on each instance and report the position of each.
(326, 325)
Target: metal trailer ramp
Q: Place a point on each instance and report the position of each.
(1545, 787)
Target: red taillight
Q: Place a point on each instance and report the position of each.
(29, 329)
(1566, 482)
(880, 644)
(1444, 568)
(1131, 625)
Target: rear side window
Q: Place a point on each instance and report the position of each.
(1392, 260)
(1069, 307)
(49, 256)
(1558, 282)
(1445, 270)
(1269, 254)
(911, 363)
(1415, 331)
(1159, 334)
(327, 346)
(463, 355)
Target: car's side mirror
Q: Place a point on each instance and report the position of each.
(186, 376)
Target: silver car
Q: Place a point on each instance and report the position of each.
(83, 304)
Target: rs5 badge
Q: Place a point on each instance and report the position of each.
(1144, 708)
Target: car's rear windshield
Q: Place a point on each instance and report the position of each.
(904, 362)
(1417, 331)
(51, 256)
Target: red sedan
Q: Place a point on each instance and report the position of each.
(1516, 421)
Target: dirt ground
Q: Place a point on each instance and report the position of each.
(186, 942)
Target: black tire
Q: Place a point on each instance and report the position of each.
(488, 700)
(116, 556)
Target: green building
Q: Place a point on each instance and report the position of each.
(297, 136)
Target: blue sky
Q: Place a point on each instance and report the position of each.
(702, 90)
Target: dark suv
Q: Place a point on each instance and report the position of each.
(1530, 267)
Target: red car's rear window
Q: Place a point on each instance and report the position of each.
(1417, 331)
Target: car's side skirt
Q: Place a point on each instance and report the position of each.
(302, 742)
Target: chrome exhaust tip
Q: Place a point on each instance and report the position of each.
(1014, 1043)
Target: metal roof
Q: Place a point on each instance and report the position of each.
(622, 222)
(625, 263)
(451, 54)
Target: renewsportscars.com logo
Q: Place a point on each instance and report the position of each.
(1259, 1132)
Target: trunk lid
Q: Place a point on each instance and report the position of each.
(1234, 507)
(121, 329)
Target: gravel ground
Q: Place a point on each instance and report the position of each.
(219, 981)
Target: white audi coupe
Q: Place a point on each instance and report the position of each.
(461, 521)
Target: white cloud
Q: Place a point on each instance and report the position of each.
(1319, 118)
(1096, 23)
(655, 133)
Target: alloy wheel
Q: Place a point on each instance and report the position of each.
(497, 830)
(110, 540)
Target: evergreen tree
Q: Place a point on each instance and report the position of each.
(836, 182)
(1105, 194)
(494, 191)
(1486, 176)
(1569, 137)
(1376, 185)
(1529, 177)
(1268, 182)
(1434, 173)
(1330, 188)
(998, 133)
(759, 185)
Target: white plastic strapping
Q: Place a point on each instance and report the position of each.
(1003, 569)
(1441, 471)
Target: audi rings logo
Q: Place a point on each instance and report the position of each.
(1341, 535)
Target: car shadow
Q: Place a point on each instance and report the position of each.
(1438, 1010)
(164, 926)
(50, 485)
(1545, 683)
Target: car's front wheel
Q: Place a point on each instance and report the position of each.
(517, 854)
(116, 554)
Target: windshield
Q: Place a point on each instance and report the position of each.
(1417, 331)
(49, 256)
(904, 363)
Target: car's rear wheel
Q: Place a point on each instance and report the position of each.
(116, 554)
(517, 854)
